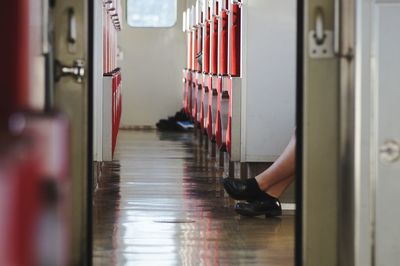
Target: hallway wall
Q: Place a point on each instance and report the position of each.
(153, 59)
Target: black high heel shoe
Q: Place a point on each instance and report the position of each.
(244, 189)
(269, 208)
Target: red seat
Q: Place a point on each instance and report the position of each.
(235, 42)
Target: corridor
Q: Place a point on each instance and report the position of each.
(161, 202)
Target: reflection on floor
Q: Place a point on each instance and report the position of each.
(162, 203)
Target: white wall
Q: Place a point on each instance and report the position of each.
(151, 71)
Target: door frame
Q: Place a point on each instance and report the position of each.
(299, 134)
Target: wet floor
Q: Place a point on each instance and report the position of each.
(162, 203)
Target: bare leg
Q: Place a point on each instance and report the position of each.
(277, 189)
(283, 168)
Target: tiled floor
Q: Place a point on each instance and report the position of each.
(161, 203)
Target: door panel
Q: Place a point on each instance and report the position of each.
(320, 146)
(386, 55)
(71, 97)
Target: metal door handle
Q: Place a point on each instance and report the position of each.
(72, 31)
(336, 30)
(319, 26)
(76, 71)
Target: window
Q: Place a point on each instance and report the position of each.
(151, 13)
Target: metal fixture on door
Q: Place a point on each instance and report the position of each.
(389, 152)
(320, 40)
(77, 70)
(72, 31)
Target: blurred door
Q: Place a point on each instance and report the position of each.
(71, 92)
(385, 144)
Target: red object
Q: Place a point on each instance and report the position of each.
(235, 41)
(223, 45)
(209, 118)
(206, 52)
(218, 121)
(116, 107)
(109, 40)
(110, 66)
(214, 47)
(14, 54)
(203, 107)
(34, 222)
(196, 49)
(200, 50)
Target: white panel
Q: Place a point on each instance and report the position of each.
(98, 82)
(269, 78)
(363, 196)
(387, 71)
(236, 119)
(184, 27)
(107, 119)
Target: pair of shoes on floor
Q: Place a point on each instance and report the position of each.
(258, 202)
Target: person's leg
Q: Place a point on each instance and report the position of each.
(277, 189)
(281, 171)
(269, 184)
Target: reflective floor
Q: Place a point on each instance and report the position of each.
(162, 203)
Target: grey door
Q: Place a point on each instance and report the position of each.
(386, 130)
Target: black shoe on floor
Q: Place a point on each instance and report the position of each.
(269, 208)
(244, 189)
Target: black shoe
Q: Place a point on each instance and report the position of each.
(269, 208)
(244, 190)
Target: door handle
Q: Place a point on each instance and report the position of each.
(320, 38)
(336, 29)
(72, 31)
(77, 70)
